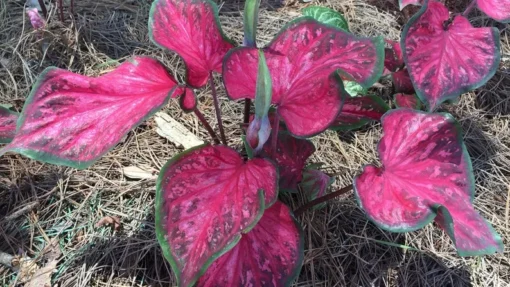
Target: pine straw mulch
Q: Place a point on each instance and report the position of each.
(342, 247)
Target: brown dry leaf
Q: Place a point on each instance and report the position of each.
(112, 221)
(42, 277)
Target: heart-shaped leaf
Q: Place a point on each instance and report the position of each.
(410, 101)
(8, 121)
(315, 184)
(271, 254)
(206, 197)
(393, 57)
(445, 60)
(72, 120)
(357, 111)
(425, 168)
(498, 10)
(192, 29)
(291, 156)
(302, 61)
(327, 16)
(402, 82)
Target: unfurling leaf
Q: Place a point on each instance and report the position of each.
(402, 82)
(357, 111)
(73, 120)
(445, 60)
(327, 16)
(498, 10)
(192, 29)
(393, 57)
(315, 184)
(291, 155)
(271, 254)
(303, 60)
(188, 100)
(425, 170)
(206, 198)
(251, 18)
(8, 121)
(410, 101)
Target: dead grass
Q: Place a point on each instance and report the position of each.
(342, 247)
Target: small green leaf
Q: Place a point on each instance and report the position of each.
(327, 16)
(251, 18)
(263, 89)
(354, 89)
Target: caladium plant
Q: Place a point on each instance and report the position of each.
(217, 211)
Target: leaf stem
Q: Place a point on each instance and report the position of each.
(469, 8)
(61, 10)
(275, 129)
(207, 126)
(43, 9)
(217, 108)
(247, 107)
(322, 199)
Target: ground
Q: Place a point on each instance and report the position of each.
(342, 247)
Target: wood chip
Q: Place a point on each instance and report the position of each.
(175, 132)
(139, 172)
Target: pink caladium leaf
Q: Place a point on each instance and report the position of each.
(403, 3)
(303, 60)
(393, 57)
(72, 120)
(35, 18)
(192, 29)
(206, 197)
(410, 101)
(188, 100)
(358, 111)
(498, 10)
(402, 82)
(8, 121)
(291, 156)
(425, 170)
(315, 184)
(447, 59)
(271, 254)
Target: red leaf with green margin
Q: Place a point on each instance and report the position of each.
(206, 197)
(357, 111)
(302, 60)
(8, 121)
(393, 58)
(403, 3)
(446, 62)
(402, 82)
(425, 168)
(498, 10)
(192, 29)
(269, 255)
(315, 184)
(409, 101)
(188, 101)
(291, 156)
(73, 120)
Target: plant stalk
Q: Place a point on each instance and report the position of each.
(322, 199)
(217, 108)
(469, 8)
(247, 108)
(61, 10)
(274, 131)
(72, 7)
(43, 9)
(207, 126)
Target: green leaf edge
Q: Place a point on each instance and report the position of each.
(418, 105)
(51, 158)
(451, 96)
(361, 122)
(310, 11)
(5, 140)
(159, 215)
(301, 250)
(218, 24)
(434, 208)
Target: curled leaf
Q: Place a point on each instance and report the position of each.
(447, 59)
(425, 170)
